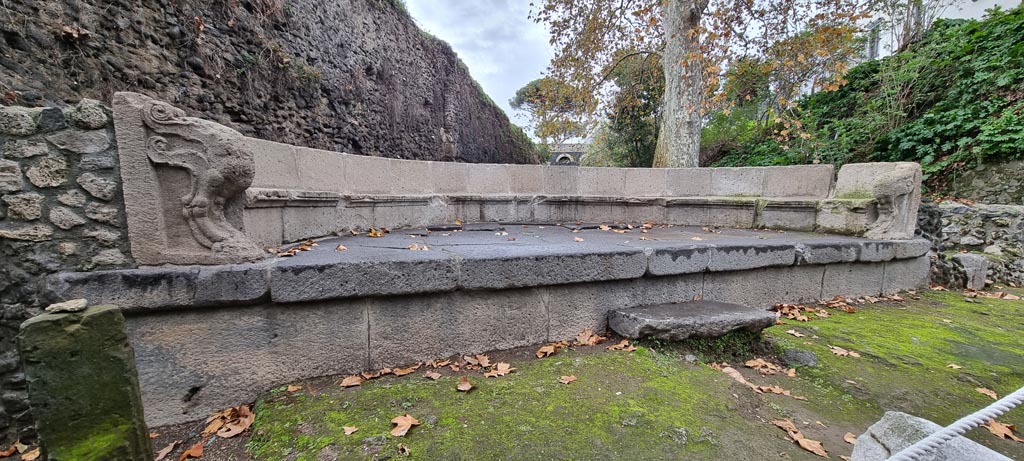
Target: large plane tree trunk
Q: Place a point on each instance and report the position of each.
(679, 137)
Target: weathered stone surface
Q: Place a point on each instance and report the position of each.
(749, 255)
(975, 268)
(27, 206)
(51, 171)
(83, 386)
(50, 119)
(496, 268)
(237, 283)
(74, 305)
(827, 252)
(103, 214)
(33, 233)
(764, 288)
(799, 358)
(64, 218)
(906, 274)
(205, 229)
(698, 319)
(67, 248)
(896, 431)
(81, 142)
(72, 198)
(189, 367)
(105, 236)
(10, 176)
(16, 121)
(896, 189)
(98, 186)
(99, 161)
(88, 114)
(679, 259)
(852, 280)
(24, 148)
(128, 289)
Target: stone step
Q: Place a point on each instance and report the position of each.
(698, 319)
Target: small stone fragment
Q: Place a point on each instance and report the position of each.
(74, 305)
(104, 236)
(100, 187)
(27, 206)
(16, 121)
(67, 248)
(100, 161)
(81, 142)
(109, 257)
(88, 114)
(72, 198)
(103, 214)
(36, 233)
(24, 149)
(64, 218)
(50, 119)
(51, 171)
(10, 177)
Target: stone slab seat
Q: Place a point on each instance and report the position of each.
(698, 319)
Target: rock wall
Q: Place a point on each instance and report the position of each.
(991, 183)
(993, 231)
(60, 209)
(356, 76)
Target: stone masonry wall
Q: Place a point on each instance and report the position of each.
(60, 209)
(995, 231)
(991, 183)
(353, 76)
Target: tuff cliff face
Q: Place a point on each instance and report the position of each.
(348, 75)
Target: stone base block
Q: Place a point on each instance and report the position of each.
(897, 431)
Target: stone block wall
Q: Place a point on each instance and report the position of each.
(993, 231)
(61, 209)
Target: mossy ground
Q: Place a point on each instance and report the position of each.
(653, 404)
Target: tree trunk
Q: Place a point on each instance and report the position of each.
(679, 137)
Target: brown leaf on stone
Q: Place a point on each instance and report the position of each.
(403, 424)
(405, 371)
(341, 248)
(349, 430)
(850, 438)
(351, 381)
(567, 379)
(10, 451)
(241, 419)
(1003, 431)
(375, 233)
(294, 388)
(988, 392)
(464, 384)
(455, 367)
(545, 351)
(160, 455)
(31, 455)
(433, 375)
(195, 451)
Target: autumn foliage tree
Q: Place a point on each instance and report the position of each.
(805, 43)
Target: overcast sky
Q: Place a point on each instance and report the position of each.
(504, 50)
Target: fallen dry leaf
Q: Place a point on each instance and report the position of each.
(403, 449)
(812, 446)
(545, 351)
(10, 451)
(850, 438)
(738, 377)
(954, 366)
(31, 455)
(352, 381)
(795, 333)
(577, 239)
(567, 379)
(293, 388)
(403, 424)
(791, 372)
(195, 451)
(622, 346)
(588, 338)
(844, 457)
(762, 366)
(341, 248)
(160, 455)
(843, 352)
(375, 233)
(242, 419)
(405, 371)
(483, 360)
(349, 430)
(1003, 431)
(432, 375)
(778, 390)
(988, 392)
(464, 384)
(501, 369)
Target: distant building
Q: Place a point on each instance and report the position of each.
(568, 153)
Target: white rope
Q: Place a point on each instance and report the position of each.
(928, 444)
